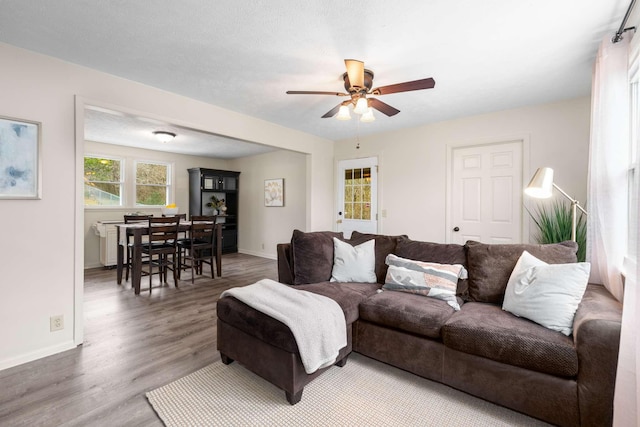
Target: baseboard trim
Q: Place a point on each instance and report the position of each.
(38, 354)
(259, 254)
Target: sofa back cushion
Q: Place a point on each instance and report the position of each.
(384, 246)
(490, 265)
(442, 253)
(312, 256)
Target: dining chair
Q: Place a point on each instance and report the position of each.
(129, 219)
(200, 246)
(161, 248)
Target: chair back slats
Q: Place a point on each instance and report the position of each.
(202, 228)
(163, 230)
(128, 219)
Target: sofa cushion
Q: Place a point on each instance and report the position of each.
(406, 312)
(347, 295)
(442, 253)
(385, 245)
(490, 265)
(255, 323)
(486, 330)
(312, 256)
(353, 263)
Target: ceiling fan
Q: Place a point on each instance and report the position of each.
(358, 82)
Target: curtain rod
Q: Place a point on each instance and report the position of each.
(621, 30)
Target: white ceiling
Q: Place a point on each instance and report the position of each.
(485, 55)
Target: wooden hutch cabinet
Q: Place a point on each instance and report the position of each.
(205, 183)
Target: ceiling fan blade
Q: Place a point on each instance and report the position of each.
(355, 71)
(332, 112)
(314, 92)
(405, 87)
(382, 107)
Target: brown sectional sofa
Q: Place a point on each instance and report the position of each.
(481, 349)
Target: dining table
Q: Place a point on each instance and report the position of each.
(139, 229)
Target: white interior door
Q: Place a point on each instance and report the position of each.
(357, 196)
(486, 193)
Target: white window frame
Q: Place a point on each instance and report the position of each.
(122, 182)
(634, 159)
(169, 193)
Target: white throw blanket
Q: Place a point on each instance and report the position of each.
(317, 322)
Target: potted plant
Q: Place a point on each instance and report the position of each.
(554, 226)
(217, 205)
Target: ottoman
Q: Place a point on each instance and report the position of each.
(267, 347)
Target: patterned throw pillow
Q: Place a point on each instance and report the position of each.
(424, 278)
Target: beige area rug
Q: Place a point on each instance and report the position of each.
(362, 393)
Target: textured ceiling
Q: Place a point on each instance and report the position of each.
(114, 127)
(244, 55)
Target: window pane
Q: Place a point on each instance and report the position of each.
(152, 184)
(348, 194)
(101, 194)
(366, 175)
(150, 173)
(96, 169)
(366, 193)
(366, 211)
(357, 194)
(151, 195)
(348, 210)
(357, 211)
(348, 176)
(357, 175)
(102, 182)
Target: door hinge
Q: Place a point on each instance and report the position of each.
(376, 217)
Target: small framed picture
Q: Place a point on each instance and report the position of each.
(207, 183)
(274, 192)
(19, 159)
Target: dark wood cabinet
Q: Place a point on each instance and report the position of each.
(205, 183)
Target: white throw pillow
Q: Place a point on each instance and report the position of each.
(354, 263)
(548, 294)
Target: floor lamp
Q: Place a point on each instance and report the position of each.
(541, 187)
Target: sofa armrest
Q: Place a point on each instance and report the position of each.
(285, 263)
(596, 335)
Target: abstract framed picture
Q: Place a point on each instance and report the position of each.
(19, 159)
(274, 192)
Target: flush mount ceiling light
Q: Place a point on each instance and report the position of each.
(164, 136)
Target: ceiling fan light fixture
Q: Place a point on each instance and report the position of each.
(164, 136)
(368, 117)
(343, 113)
(361, 106)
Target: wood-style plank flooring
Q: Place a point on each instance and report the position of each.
(133, 344)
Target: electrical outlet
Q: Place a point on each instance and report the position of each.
(56, 323)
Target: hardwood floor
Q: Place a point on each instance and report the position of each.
(133, 344)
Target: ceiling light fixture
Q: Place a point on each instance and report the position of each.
(368, 116)
(361, 106)
(343, 113)
(164, 136)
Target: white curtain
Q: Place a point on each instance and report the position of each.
(608, 165)
(627, 395)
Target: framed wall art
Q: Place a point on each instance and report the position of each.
(274, 192)
(19, 159)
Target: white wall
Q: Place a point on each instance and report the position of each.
(413, 162)
(180, 164)
(38, 281)
(261, 228)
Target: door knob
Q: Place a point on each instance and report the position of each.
(456, 229)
